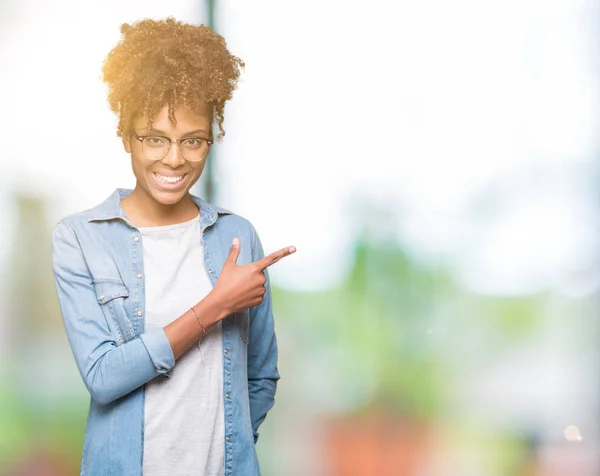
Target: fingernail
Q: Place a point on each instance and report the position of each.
(292, 249)
(236, 241)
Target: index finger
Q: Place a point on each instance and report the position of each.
(267, 261)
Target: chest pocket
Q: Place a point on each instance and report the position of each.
(111, 296)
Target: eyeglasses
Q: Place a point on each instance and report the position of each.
(193, 149)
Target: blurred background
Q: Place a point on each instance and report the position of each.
(435, 163)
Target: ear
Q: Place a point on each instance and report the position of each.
(127, 143)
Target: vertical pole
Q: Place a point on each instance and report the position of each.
(208, 169)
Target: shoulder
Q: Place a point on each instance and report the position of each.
(106, 210)
(68, 226)
(233, 219)
(74, 220)
(229, 225)
(237, 224)
(225, 218)
(73, 225)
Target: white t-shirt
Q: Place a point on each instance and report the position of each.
(183, 415)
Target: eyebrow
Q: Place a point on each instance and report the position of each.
(158, 131)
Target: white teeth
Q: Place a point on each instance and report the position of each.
(166, 179)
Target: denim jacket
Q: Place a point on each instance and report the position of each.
(99, 276)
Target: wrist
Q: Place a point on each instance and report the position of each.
(199, 321)
(216, 306)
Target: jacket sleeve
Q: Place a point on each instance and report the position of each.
(109, 371)
(262, 351)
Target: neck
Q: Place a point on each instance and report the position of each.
(142, 210)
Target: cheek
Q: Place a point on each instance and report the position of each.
(198, 169)
(140, 168)
(136, 167)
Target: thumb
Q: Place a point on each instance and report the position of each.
(234, 251)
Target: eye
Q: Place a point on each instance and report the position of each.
(155, 141)
(193, 143)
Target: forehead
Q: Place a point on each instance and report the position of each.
(185, 120)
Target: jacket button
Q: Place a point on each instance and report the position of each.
(227, 395)
(136, 238)
(140, 313)
(101, 298)
(226, 351)
(139, 275)
(227, 439)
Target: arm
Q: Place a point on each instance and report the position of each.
(262, 352)
(108, 370)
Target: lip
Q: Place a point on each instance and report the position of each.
(171, 187)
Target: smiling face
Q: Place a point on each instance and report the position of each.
(167, 181)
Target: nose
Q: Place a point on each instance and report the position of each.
(174, 157)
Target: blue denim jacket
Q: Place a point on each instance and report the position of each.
(99, 275)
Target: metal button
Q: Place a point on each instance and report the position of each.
(227, 395)
(139, 275)
(227, 439)
(101, 298)
(226, 351)
(140, 313)
(210, 271)
(136, 238)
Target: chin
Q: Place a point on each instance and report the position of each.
(165, 197)
(168, 198)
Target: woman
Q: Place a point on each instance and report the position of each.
(165, 298)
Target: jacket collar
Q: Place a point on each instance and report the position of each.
(111, 209)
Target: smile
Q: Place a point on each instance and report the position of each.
(169, 180)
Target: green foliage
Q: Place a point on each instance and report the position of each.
(517, 317)
(55, 429)
(378, 320)
(386, 327)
